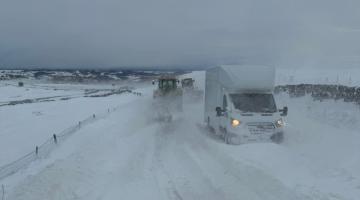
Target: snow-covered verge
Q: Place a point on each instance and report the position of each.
(11, 93)
(348, 77)
(25, 126)
(129, 156)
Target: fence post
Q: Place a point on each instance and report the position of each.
(36, 150)
(79, 124)
(3, 192)
(55, 139)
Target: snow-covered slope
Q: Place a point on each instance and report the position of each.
(129, 156)
(24, 126)
(348, 77)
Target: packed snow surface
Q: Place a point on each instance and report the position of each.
(129, 156)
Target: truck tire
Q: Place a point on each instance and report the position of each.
(227, 139)
(221, 133)
(277, 138)
(209, 127)
(226, 136)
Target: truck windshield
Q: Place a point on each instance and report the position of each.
(252, 102)
(167, 84)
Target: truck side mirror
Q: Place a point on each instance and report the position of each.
(219, 111)
(284, 111)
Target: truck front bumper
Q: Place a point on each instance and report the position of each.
(248, 135)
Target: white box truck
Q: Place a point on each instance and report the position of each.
(240, 106)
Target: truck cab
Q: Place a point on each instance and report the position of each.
(240, 111)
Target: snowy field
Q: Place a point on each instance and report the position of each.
(348, 77)
(23, 126)
(129, 156)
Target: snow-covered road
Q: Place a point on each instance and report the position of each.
(129, 156)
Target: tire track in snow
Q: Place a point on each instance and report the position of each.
(176, 169)
(235, 179)
(162, 176)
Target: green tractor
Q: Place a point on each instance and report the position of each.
(187, 83)
(191, 93)
(167, 97)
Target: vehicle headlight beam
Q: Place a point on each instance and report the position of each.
(279, 123)
(235, 122)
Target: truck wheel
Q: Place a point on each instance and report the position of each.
(278, 137)
(226, 136)
(221, 133)
(209, 127)
(227, 139)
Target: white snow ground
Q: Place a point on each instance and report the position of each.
(348, 76)
(129, 156)
(24, 126)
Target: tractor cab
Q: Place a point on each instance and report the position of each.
(167, 98)
(187, 83)
(167, 84)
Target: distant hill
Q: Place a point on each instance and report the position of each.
(86, 75)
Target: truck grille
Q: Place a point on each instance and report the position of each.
(261, 127)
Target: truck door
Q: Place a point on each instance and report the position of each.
(224, 118)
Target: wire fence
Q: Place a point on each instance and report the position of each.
(43, 150)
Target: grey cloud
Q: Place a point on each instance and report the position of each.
(115, 33)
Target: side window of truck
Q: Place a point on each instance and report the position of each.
(224, 102)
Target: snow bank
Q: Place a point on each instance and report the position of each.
(349, 77)
(27, 125)
(11, 93)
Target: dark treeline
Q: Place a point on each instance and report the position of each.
(321, 92)
(84, 75)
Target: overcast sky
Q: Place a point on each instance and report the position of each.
(118, 33)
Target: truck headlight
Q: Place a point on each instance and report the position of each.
(279, 123)
(235, 122)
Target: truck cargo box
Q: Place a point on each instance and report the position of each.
(243, 77)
